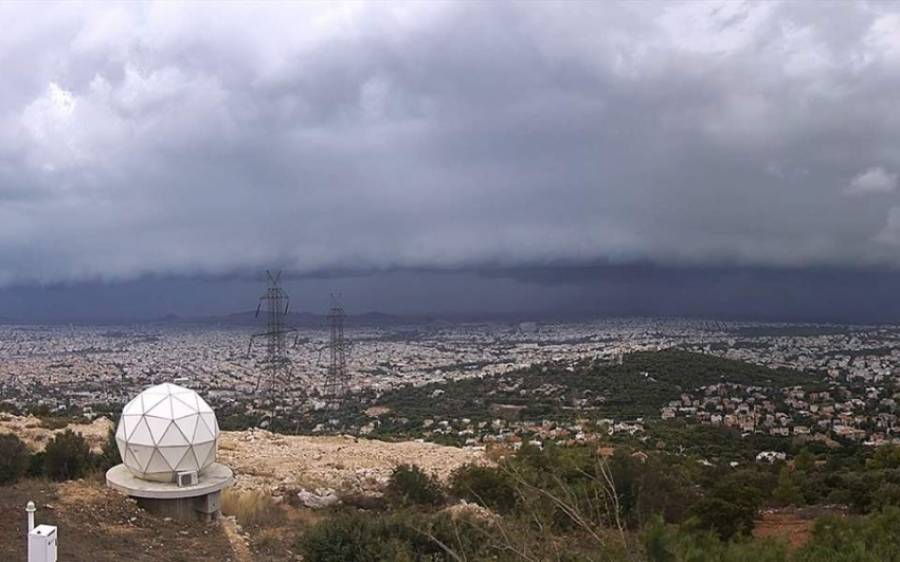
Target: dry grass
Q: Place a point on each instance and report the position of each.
(252, 508)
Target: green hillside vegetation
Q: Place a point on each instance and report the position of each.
(638, 388)
(573, 504)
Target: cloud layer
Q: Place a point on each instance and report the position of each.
(187, 139)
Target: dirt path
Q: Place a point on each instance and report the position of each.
(238, 542)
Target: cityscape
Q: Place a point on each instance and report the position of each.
(63, 367)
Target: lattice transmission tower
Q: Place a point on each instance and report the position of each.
(275, 378)
(337, 379)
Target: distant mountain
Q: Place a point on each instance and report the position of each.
(308, 319)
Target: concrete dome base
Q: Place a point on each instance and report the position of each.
(200, 501)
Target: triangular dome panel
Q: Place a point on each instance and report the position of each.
(201, 450)
(150, 401)
(188, 462)
(180, 409)
(130, 422)
(157, 463)
(211, 456)
(162, 410)
(188, 425)
(203, 433)
(141, 434)
(173, 455)
(210, 420)
(141, 455)
(191, 400)
(129, 459)
(173, 437)
(158, 427)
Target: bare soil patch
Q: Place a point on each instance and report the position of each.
(792, 525)
(266, 461)
(100, 525)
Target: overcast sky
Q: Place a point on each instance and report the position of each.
(185, 141)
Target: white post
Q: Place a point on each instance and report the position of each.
(30, 509)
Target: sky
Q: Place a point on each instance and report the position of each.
(449, 157)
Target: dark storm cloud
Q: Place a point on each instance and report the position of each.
(822, 294)
(200, 139)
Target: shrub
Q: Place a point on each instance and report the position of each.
(873, 537)
(67, 456)
(489, 487)
(359, 537)
(409, 485)
(14, 458)
(36, 465)
(729, 510)
(54, 423)
(251, 508)
(662, 544)
(355, 537)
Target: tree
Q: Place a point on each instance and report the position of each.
(486, 486)
(67, 456)
(787, 492)
(805, 461)
(724, 518)
(409, 485)
(14, 458)
(887, 456)
(729, 510)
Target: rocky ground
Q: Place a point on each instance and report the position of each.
(265, 461)
(36, 433)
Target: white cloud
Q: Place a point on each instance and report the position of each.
(872, 180)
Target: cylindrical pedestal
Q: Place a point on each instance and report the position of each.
(205, 508)
(200, 501)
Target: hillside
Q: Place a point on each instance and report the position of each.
(639, 387)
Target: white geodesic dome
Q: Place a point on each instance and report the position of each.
(167, 429)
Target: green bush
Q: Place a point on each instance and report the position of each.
(486, 486)
(409, 485)
(729, 510)
(663, 544)
(855, 539)
(400, 537)
(67, 456)
(357, 537)
(36, 465)
(14, 458)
